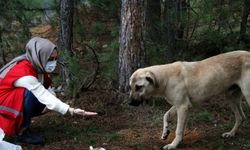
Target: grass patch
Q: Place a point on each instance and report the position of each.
(157, 117)
(87, 134)
(92, 134)
(114, 136)
(202, 116)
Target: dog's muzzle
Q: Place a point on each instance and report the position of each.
(135, 102)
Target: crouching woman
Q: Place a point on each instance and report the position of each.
(24, 91)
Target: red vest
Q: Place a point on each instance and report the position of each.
(11, 98)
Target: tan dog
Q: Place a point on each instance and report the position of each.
(186, 83)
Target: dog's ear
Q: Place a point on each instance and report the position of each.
(150, 77)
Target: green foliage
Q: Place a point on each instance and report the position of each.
(109, 61)
(215, 22)
(32, 3)
(13, 29)
(73, 70)
(109, 57)
(79, 29)
(155, 52)
(15, 19)
(210, 27)
(246, 146)
(80, 68)
(96, 33)
(108, 7)
(98, 28)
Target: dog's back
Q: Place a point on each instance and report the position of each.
(215, 74)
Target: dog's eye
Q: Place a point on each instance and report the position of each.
(138, 87)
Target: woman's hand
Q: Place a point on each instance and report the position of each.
(79, 111)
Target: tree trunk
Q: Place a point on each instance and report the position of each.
(66, 25)
(153, 12)
(243, 25)
(174, 28)
(131, 53)
(66, 38)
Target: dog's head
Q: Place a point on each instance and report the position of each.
(142, 84)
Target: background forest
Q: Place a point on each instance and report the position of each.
(94, 35)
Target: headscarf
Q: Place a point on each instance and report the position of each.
(38, 51)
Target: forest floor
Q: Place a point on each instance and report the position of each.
(123, 127)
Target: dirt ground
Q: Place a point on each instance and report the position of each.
(136, 128)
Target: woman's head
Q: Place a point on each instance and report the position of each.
(38, 51)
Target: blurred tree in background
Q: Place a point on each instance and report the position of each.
(132, 52)
(244, 22)
(17, 17)
(13, 28)
(194, 29)
(66, 25)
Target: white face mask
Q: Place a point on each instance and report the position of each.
(50, 66)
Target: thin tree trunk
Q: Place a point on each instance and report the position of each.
(131, 53)
(66, 39)
(66, 25)
(243, 25)
(174, 28)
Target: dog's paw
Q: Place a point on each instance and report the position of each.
(228, 135)
(165, 135)
(168, 147)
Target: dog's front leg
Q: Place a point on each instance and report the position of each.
(167, 117)
(182, 114)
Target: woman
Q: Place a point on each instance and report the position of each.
(25, 92)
